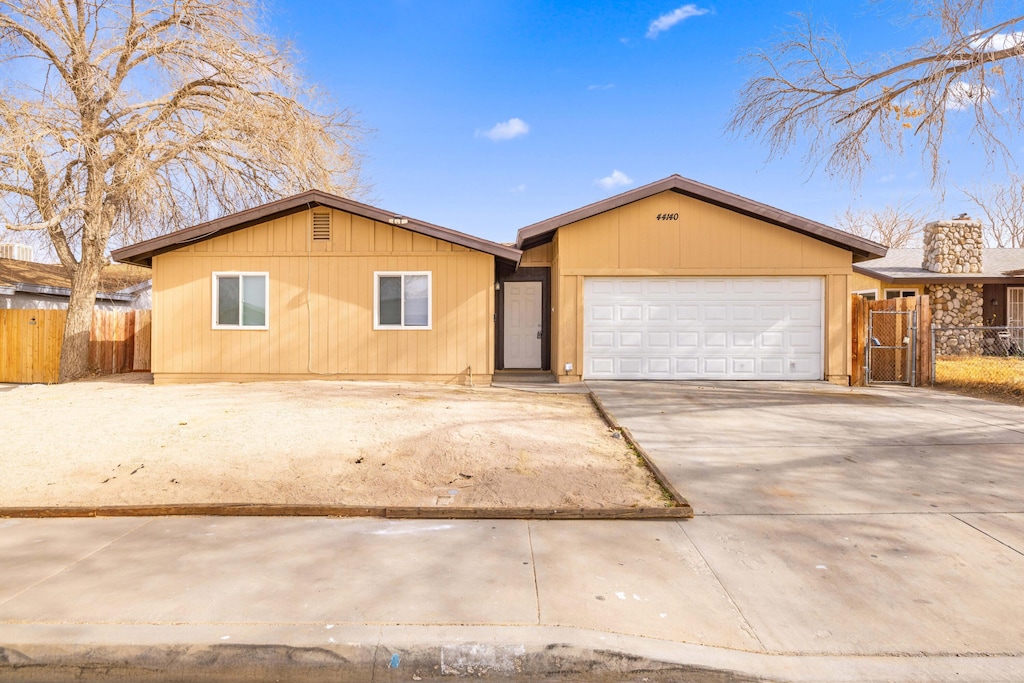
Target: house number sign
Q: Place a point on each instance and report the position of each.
(668, 217)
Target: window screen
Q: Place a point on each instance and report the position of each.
(241, 300)
(403, 300)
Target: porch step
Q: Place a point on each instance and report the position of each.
(523, 377)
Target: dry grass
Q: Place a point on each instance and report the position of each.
(990, 377)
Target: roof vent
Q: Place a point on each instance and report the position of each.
(321, 227)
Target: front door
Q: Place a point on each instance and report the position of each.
(523, 325)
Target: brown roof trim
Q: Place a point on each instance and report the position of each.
(142, 253)
(542, 232)
(939, 278)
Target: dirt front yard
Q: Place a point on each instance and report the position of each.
(123, 441)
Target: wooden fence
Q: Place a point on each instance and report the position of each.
(30, 343)
(861, 308)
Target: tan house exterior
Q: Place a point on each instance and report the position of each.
(683, 232)
(673, 280)
(319, 257)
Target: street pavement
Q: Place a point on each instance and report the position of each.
(841, 535)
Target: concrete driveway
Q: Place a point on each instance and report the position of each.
(881, 520)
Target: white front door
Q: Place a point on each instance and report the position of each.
(523, 322)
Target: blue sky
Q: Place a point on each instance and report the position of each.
(490, 115)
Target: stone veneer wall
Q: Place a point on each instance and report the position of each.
(953, 246)
(957, 305)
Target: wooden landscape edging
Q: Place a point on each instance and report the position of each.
(275, 510)
(677, 498)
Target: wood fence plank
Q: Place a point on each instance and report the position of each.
(858, 333)
(924, 340)
(143, 340)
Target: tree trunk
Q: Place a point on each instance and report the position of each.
(74, 353)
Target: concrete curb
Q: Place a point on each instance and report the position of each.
(437, 653)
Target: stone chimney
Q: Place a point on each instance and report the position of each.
(953, 246)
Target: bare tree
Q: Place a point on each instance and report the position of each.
(896, 226)
(809, 90)
(1003, 207)
(120, 119)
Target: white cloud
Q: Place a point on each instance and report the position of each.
(998, 41)
(506, 130)
(962, 95)
(616, 179)
(667, 21)
(607, 86)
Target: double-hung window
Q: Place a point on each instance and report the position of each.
(240, 301)
(401, 301)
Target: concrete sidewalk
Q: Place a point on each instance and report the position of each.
(807, 563)
(328, 598)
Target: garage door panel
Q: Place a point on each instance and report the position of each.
(659, 313)
(715, 312)
(631, 340)
(716, 340)
(687, 341)
(659, 339)
(804, 341)
(687, 366)
(715, 366)
(773, 340)
(631, 365)
(772, 367)
(659, 367)
(686, 313)
(744, 339)
(693, 328)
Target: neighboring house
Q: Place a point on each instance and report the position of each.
(674, 280)
(968, 285)
(30, 285)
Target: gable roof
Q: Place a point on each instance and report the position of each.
(904, 265)
(863, 249)
(142, 253)
(53, 279)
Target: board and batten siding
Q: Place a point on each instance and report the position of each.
(321, 306)
(705, 241)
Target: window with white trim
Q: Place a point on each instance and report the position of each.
(240, 301)
(899, 293)
(402, 300)
(869, 294)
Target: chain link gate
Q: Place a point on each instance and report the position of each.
(891, 347)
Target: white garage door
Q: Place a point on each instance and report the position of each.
(702, 328)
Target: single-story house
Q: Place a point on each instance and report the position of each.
(673, 280)
(30, 285)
